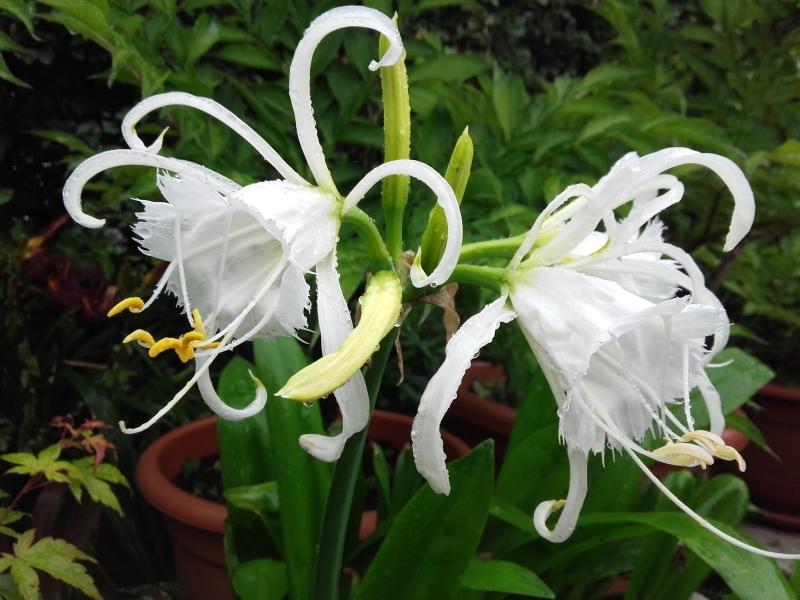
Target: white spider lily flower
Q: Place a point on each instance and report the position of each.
(237, 255)
(600, 314)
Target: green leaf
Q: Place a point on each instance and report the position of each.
(787, 153)
(90, 18)
(19, 9)
(5, 196)
(539, 458)
(536, 410)
(54, 557)
(9, 590)
(433, 539)
(204, 35)
(250, 56)
(407, 481)
(65, 139)
(46, 464)
(303, 481)
(503, 576)
(6, 43)
(381, 469)
(451, 67)
(602, 125)
(736, 383)
(99, 490)
(505, 511)
(6, 74)
(750, 576)
(261, 579)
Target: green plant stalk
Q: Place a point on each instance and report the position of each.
(397, 132)
(488, 277)
(503, 248)
(379, 259)
(337, 511)
(434, 239)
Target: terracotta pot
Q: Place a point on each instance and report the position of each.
(197, 525)
(485, 419)
(775, 485)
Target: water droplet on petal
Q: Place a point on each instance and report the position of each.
(308, 404)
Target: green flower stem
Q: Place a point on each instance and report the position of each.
(487, 277)
(397, 133)
(379, 258)
(345, 474)
(504, 248)
(435, 237)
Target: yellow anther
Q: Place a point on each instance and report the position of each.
(134, 305)
(163, 345)
(558, 505)
(141, 336)
(198, 324)
(682, 454)
(716, 445)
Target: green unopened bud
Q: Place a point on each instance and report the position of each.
(380, 310)
(434, 239)
(397, 136)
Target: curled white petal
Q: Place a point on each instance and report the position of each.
(574, 191)
(323, 447)
(300, 75)
(216, 110)
(713, 403)
(441, 391)
(219, 406)
(444, 195)
(335, 324)
(570, 511)
(118, 158)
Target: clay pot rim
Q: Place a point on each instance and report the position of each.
(498, 418)
(779, 392)
(182, 506)
(165, 495)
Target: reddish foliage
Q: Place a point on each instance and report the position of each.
(84, 436)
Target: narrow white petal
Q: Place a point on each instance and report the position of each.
(713, 403)
(574, 191)
(446, 199)
(335, 324)
(572, 509)
(216, 110)
(118, 158)
(441, 391)
(219, 406)
(300, 75)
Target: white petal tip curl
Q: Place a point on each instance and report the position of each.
(155, 147)
(324, 448)
(540, 515)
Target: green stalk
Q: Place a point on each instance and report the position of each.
(503, 248)
(397, 133)
(487, 277)
(337, 511)
(379, 259)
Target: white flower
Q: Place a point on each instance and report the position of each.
(238, 255)
(600, 314)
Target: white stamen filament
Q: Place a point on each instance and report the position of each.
(446, 199)
(739, 544)
(687, 404)
(119, 158)
(223, 257)
(160, 286)
(216, 110)
(300, 76)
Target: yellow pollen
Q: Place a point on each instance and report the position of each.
(134, 305)
(163, 345)
(141, 336)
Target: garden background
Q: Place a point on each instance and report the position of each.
(553, 92)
